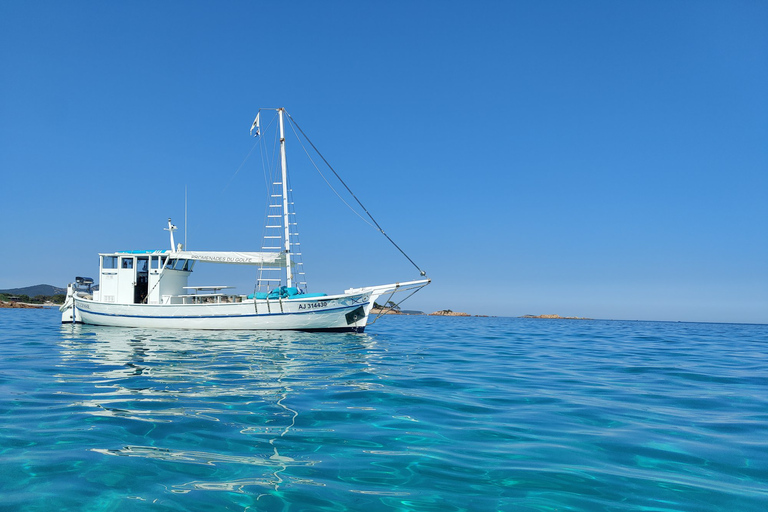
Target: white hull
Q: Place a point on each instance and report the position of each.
(348, 312)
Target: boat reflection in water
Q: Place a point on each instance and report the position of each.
(230, 401)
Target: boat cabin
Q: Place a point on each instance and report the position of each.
(162, 276)
(143, 277)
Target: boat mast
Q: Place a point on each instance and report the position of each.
(286, 223)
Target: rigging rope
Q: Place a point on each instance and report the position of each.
(243, 162)
(384, 310)
(326, 179)
(421, 272)
(162, 273)
(241, 166)
(271, 180)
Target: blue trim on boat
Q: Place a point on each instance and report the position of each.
(220, 316)
(150, 251)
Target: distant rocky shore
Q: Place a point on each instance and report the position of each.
(442, 312)
(388, 311)
(556, 317)
(448, 312)
(19, 305)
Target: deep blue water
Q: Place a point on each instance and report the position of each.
(419, 413)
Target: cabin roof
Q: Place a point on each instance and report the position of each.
(230, 257)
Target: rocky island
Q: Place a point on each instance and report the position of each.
(18, 305)
(448, 312)
(556, 317)
(385, 311)
(392, 309)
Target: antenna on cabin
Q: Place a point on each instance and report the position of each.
(185, 218)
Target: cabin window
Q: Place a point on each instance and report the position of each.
(109, 262)
(142, 264)
(126, 263)
(183, 265)
(153, 262)
(163, 260)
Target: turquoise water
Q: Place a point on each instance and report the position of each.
(419, 413)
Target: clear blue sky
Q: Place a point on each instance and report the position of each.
(598, 158)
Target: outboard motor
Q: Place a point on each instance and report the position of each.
(69, 315)
(86, 282)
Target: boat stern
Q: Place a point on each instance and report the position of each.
(69, 313)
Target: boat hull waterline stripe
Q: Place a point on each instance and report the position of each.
(180, 317)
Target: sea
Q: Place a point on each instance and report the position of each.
(419, 413)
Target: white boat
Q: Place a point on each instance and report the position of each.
(151, 289)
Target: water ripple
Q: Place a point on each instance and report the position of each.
(420, 414)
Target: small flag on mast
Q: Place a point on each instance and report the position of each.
(256, 125)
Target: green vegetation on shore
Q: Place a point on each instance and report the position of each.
(37, 299)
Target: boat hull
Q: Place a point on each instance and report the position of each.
(338, 313)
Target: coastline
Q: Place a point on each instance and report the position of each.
(443, 312)
(556, 317)
(23, 305)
